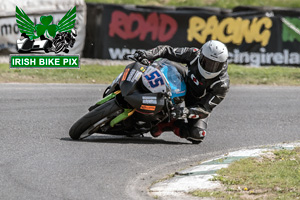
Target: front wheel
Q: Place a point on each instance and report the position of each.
(98, 117)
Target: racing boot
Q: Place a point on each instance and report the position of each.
(196, 136)
(192, 131)
(164, 126)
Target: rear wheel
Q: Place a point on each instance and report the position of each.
(91, 122)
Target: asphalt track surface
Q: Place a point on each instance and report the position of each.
(40, 161)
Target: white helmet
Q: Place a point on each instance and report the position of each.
(213, 59)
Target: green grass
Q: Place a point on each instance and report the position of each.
(212, 3)
(276, 176)
(216, 194)
(264, 75)
(106, 74)
(86, 74)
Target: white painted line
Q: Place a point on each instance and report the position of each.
(184, 184)
(248, 153)
(202, 168)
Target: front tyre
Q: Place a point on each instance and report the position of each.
(98, 116)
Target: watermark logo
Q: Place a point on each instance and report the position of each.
(43, 38)
(43, 61)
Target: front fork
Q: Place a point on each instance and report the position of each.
(105, 99)
(124, 115)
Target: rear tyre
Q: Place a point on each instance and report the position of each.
(85, 125)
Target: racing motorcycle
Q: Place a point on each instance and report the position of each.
(141, 97)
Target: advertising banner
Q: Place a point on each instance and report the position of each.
(254, 37)
(10, 33)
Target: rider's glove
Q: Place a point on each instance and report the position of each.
(191, 113)
(197, 112)
(141, 57)
(179, 112)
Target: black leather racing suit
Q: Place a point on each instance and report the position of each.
(202, 94)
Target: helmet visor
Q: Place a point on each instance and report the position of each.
(210, 65)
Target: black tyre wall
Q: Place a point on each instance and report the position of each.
(92, 117)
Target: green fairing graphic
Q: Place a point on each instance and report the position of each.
(290, 29)
(66, 24)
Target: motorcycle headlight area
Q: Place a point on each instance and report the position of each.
(154, 80)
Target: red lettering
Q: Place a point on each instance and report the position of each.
(135, 17)
(152, 26)
(161, 27)
(121, 25)
(116, 24)
(166, 21)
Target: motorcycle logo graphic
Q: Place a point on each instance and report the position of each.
(63, 33)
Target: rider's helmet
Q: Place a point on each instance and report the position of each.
(212, 59)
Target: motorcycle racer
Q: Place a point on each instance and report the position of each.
(207, 84)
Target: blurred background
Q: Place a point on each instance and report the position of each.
(257, 33)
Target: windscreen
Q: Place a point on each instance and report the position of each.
(175, 80)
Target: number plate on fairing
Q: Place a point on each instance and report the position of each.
(153, 80)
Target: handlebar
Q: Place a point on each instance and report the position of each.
(129, 56)
(133, 57)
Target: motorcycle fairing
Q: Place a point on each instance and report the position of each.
(130, 77)
(146, 103)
